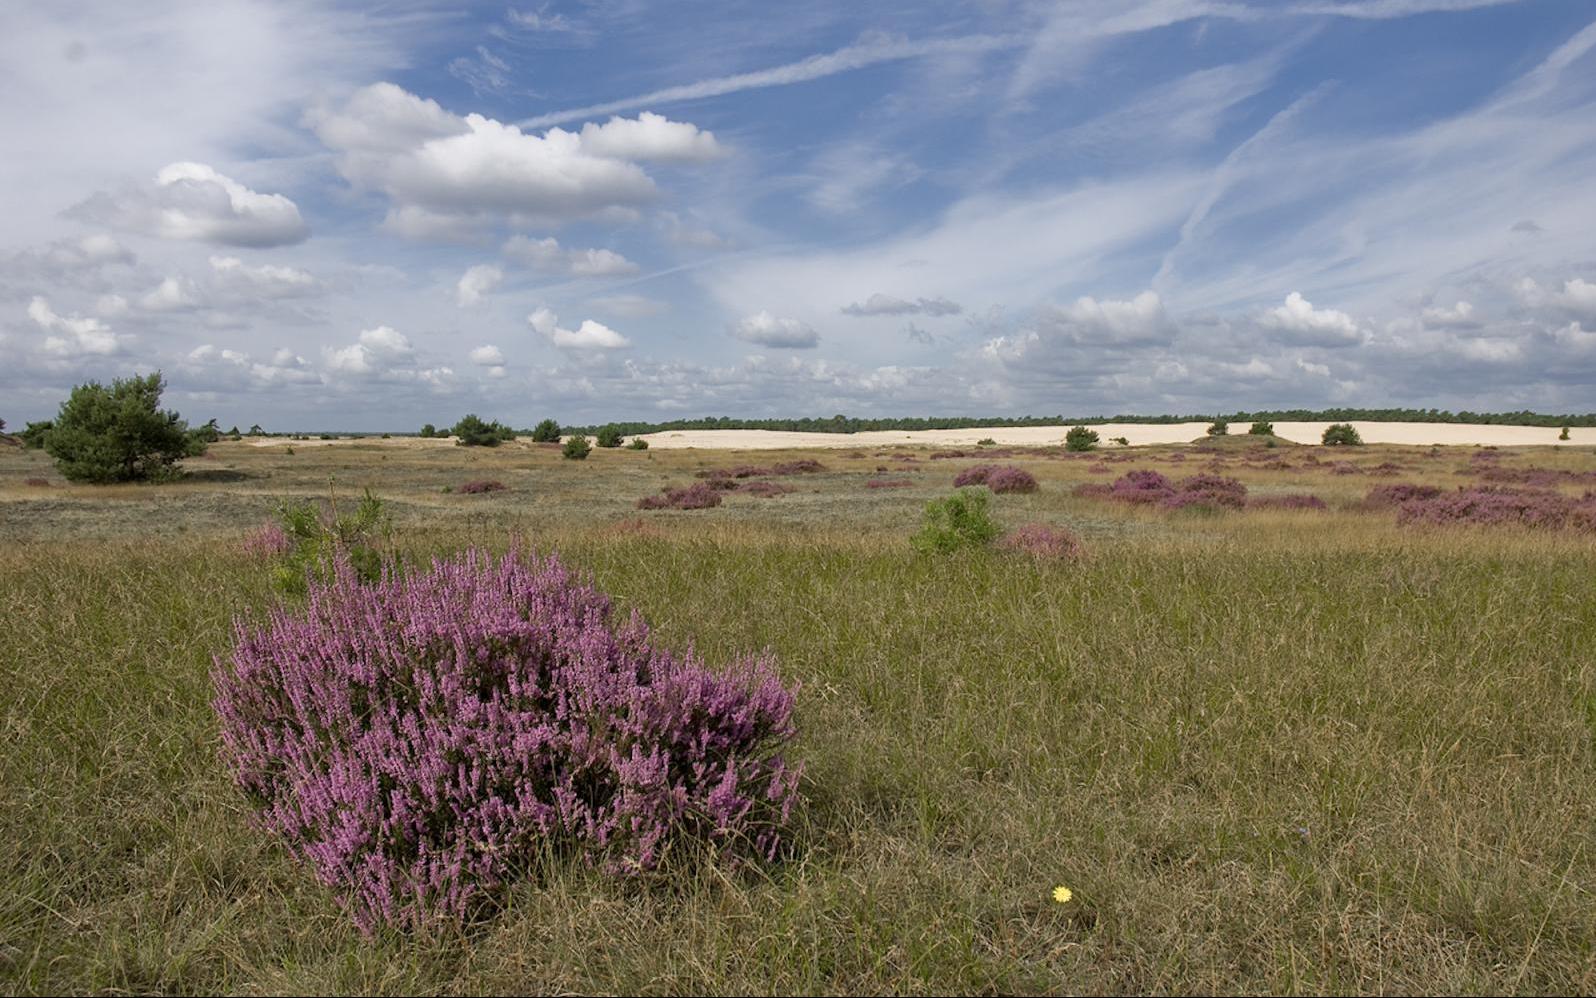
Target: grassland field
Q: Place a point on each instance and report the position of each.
(1267, 750)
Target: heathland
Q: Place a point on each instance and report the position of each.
(1267, 746)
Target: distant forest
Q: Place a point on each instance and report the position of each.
(851, 424)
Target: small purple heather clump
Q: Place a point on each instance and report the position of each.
(480, 486)
(1044, 543)
(1207, 490)
(1398, 494)
(268, 541)
(418, 742)
(1141, 488)
(699, 495)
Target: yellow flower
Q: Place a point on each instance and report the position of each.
(1062, 894)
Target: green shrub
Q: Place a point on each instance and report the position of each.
(609, 436)
(428, 431)
(119, 434)
(956, 521)
(256, 431)
(576, 449)
(638, 443)
(1563, 435)
(1080, 439)
(1218, 428)
(474, 432)
(319, 535)
(1122, 441)
(1341, 434)
(1262, 428)
(546, 432)
(985, 442)
(33, 435)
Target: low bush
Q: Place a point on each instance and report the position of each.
(1208, 490)
(1341, 435)
(546, 432)
(1218, 428)
(638, 443)
(1141, 488)
(480, 486)
(268, 542)
(319, 538)
(1262, 428)
(422, 742)
(576, 448)
(473, 432)
(957, 521)
(1080, 439)
(609, 436)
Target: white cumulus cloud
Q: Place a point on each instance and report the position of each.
(590, 335)
(1302, 323)
(475, 283)
(73, 335)
(547, 254)
(192, 201)
(774, 331)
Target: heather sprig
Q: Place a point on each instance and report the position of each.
(420, 740)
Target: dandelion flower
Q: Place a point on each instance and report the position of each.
(1062, 894)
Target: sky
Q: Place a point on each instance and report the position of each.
(366, 217)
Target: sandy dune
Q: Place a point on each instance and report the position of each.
(1139, 434)
(1418, 434)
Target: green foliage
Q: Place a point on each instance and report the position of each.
(1262, 428)
(33, 435)
(576, 449)
(985, 442)
(638, 443)
(1079, 439)
(546, 432)
(1219, 428)
(1341, 434)
(1563, 435)
(256, 431)
(120, 433)
(609, 436)
(318, 536)
(428, 431)
(957, 521)
(473, 432)
(1122, 441)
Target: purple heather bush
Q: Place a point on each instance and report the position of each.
(1000, 478)
(421, 741)
(480, 486)
(1490, 506)
(699, 495)
(268, 542)
(1141, 487)
(1208, 490)
(1044, 543)
(1398, 494)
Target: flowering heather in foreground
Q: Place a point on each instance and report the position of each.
(1000, 478)
(478, 487)
(1043, 542)
(699, 495)
(1497, 507)
(420, 741)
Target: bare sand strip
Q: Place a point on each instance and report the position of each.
(1139, 434)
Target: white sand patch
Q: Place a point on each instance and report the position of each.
(1139, 434)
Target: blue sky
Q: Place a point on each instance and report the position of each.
(311, 215)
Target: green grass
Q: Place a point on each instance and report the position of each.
(1283, 752)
